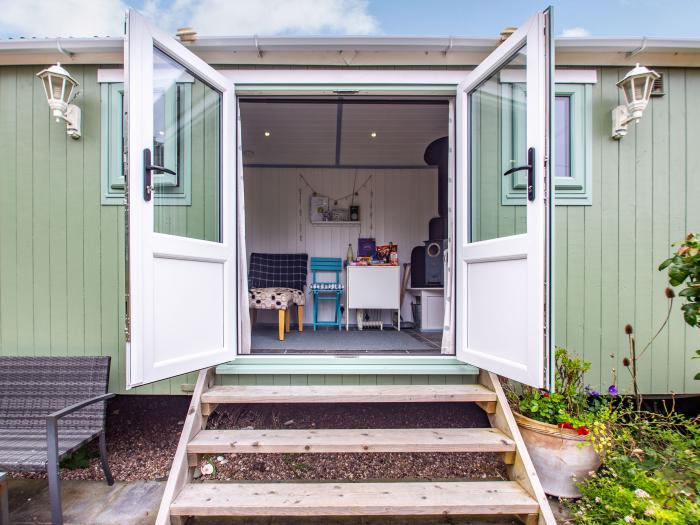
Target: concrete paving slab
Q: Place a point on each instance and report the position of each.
(87, 502)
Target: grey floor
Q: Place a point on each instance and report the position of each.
(331, 341)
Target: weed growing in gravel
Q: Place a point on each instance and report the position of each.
(293, 461)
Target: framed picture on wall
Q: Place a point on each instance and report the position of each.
(318, 208)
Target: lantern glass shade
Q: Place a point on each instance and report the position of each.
(636, 88)
(60, 88)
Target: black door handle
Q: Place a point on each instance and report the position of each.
(148, 170)
(530, 167)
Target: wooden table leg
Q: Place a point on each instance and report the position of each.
(280, 316)
(300, 317)
(287, 320)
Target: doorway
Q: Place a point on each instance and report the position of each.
(339, 177)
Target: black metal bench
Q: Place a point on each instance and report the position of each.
(50, 407)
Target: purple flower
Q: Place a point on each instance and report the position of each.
(612, 390)
(594, 393)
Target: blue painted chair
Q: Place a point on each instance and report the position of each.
(327, 290)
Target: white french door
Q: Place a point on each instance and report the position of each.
(180, 143)
(504, 252)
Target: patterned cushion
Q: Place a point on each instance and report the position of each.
(270, 298)
(326, 287)
(277, 270)
(298, 297)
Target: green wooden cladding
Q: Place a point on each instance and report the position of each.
(62, 251)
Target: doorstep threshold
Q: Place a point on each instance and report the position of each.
(350, 364)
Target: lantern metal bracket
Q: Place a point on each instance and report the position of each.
(620, 120)
(72, 119)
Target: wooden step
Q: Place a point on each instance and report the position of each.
(348, 394)
(351, 440)
(353, 499)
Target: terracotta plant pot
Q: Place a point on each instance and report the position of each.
(559, 455)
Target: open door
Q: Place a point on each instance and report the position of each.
(504, 252)
(181, 208)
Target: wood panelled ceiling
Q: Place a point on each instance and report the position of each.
(330, 133)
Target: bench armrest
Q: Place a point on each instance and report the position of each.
(77, 406)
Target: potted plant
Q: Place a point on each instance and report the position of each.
(565, 432)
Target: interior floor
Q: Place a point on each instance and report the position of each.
(328, 340)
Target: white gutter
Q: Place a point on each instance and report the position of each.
(353, 43)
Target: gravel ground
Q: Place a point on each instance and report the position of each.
(142, 435)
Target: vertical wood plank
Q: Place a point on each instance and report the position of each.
(8, 211)
(657, 357)
(677, 354)
(645, 295)
(592, 329)
(611, 326)
(692, 366)
(91, 219)
(40, 192)
(75, 174)
(25, 230)
(58, 271)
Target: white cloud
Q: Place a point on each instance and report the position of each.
(575, 31)
(45, 18)
(208, 17)
(235, 17)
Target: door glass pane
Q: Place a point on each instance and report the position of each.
(493, 150)
(186, 140)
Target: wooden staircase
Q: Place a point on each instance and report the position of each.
(521, 496)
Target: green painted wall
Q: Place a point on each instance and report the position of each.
(61, 251)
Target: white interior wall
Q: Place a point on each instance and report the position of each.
(395, 206)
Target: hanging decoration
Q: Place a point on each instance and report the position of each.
(324, 208)
(336, 200)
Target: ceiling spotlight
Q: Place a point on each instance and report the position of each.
(267, 133)
(373, 134)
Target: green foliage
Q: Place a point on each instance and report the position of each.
(684, 269)
(651, 475)
(78, 459)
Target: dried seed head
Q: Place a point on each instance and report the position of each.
(670, 293)
(628, 329)
(626, 361)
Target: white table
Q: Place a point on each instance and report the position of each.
(372, 287)
(432, 308)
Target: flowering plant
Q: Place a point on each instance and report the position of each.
(572, 405)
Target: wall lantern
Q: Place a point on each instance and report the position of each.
(61, 89)
(636, 88)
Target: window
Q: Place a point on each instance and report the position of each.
(572, 143)
(172, 144)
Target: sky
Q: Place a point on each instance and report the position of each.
(473, 18)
